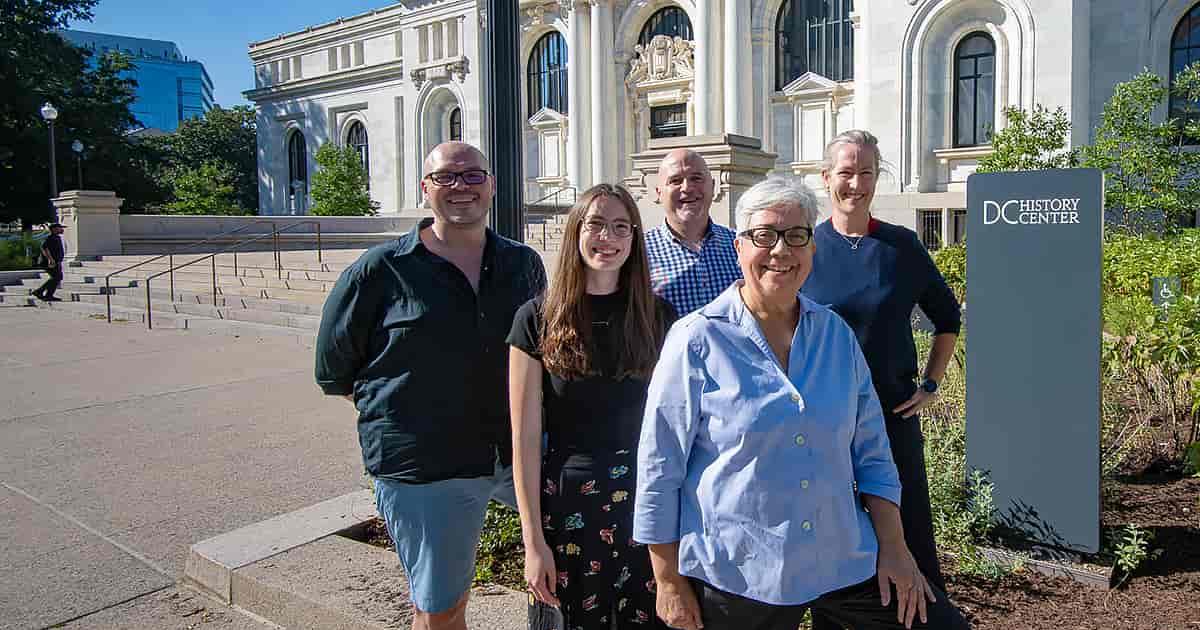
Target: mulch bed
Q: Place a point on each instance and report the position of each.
(1162, 594)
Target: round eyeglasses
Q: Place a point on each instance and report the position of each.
(473, 177)
(616, 229)
(766, 237)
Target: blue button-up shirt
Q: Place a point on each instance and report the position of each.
(688, 279)
(753, 469)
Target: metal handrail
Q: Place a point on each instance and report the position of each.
(274, 235)
(275, 231)
(555, 194)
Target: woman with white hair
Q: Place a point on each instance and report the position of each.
(762, 443)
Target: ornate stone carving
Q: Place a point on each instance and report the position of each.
(418, 78)
(533, 17)
(458, 68)
(483, 19)
(664, 58)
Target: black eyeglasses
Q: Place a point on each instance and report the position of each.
(473, 177)
(766, 237)
(617, 229)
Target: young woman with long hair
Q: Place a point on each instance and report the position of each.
(579, 368)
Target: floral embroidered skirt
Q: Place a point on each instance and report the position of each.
(587, 517)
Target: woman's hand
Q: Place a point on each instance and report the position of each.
(897, 567)
(911, 407)
(540, 573)
(676, 604)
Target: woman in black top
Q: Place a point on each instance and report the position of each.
(580, 360)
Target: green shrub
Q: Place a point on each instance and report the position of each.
(952, 262)
(339, 186)
(501, 556)
(16, 253)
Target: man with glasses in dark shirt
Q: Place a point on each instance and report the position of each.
(414, 334)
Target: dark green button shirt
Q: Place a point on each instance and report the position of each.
(425, 355)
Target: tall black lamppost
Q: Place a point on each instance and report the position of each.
(503, 95)
(49, 114)
(77, 148)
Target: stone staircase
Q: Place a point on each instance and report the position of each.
(256, 298)
(544, 230)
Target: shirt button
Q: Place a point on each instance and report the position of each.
(806, 526)
(795, 397)
(800, 440)
(804, 484)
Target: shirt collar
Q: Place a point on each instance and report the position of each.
(730, 307)
(708, 232)
(408, 243)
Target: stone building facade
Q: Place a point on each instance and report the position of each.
(602, 79)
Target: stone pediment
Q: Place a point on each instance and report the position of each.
(546, 117)
(813, 84)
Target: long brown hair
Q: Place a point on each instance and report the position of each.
(567, 344)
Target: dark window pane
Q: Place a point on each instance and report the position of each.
(670, 21)
(669, 121)
(965, 113)
(814, 36)
(985, 105)
(985, 65)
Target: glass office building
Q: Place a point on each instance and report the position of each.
(171, 88)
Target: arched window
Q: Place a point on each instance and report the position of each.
(547, 74)
(1185, 49)
(356, 137)
(814, 36)
(974, 90)
(297, 184)
(669, 21)
(456, 124)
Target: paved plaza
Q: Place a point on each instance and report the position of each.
(120, 447)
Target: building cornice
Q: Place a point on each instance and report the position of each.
(325, 34)
(317, 85)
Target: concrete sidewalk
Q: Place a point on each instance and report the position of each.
(120, 447)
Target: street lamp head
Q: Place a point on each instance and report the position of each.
(77, 146)
(49, 113)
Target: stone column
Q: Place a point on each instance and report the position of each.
(703, 84)
(578, 166)
(739, 100)
(602, 85)
(92, 222)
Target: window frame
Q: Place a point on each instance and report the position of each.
(357, 137)
(826, 29)
(976, 80)
(1176, 107)
(547, 76)
(455, 112)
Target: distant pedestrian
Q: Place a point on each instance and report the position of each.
(414, 334)
(53, 252)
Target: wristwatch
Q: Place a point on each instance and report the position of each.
(929, 385)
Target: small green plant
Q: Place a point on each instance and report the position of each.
(1130, 548)
(1191, 459)
(16, 254)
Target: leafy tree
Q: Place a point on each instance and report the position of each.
(1151, 168)
(340, 184)
(224, 138)
(1031, 141)
(207, 190)
(38, 66)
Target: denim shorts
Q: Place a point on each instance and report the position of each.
(436, 528)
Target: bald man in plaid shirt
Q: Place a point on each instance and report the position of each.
(692, 259)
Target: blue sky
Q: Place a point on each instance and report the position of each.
(216, 32)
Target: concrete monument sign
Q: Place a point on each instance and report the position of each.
(1033, 351)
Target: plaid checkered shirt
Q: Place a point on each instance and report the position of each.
(689, 279)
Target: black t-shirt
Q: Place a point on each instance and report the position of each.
(596, 413)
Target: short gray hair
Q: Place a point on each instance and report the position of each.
(860, 137)
(773, 192)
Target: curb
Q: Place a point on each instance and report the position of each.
(211, 563)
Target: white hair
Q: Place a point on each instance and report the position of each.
(773, 192)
